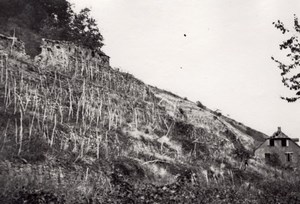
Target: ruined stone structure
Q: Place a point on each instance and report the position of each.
(56, 54)
(11, 44)
(285, 147)
(67, 54)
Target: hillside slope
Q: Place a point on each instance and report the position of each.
(73, 125)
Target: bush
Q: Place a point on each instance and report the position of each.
(218, 114)
(200, 105)
(274, 160)
(279, 191)
(181, 111)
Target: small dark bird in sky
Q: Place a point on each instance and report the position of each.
(184, 35)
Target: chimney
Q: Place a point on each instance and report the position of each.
(279, 129)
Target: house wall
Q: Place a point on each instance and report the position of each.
(281, 151)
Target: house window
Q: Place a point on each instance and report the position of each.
(271, 142)
(289, 156)
(284, 142)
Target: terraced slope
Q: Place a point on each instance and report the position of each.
(72, 124)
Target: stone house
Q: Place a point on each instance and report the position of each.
(286, 148)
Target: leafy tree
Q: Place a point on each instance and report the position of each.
(290, 69)
(85, 30)
(55, 19)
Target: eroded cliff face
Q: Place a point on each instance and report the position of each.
(67, 55)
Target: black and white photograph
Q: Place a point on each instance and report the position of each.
(149, 102)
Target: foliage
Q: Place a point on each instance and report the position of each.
(121, 190)
(191, 138)
(290, 70)
(85, 30)
(241, 153)
(274, 160)
(200, 105)
(279, 191)
(32, 20)
(181, 191)
(26, 188)
(217, 113)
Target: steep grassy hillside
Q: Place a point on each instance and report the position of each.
(75, 130)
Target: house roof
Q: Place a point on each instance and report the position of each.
(279, 134)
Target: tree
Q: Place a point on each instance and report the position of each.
(32, 20)
(56, 24)
(290, 68)
(85, 30)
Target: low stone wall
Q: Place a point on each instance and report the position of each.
(11, 44)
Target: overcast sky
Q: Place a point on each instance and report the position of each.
(224, 61)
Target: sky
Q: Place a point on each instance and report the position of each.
(224, 61)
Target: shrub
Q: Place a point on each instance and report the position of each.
(279, 191)
(200, 105)
(181, 111)
(274, 160)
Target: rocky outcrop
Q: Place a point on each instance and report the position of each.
(67, 54)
